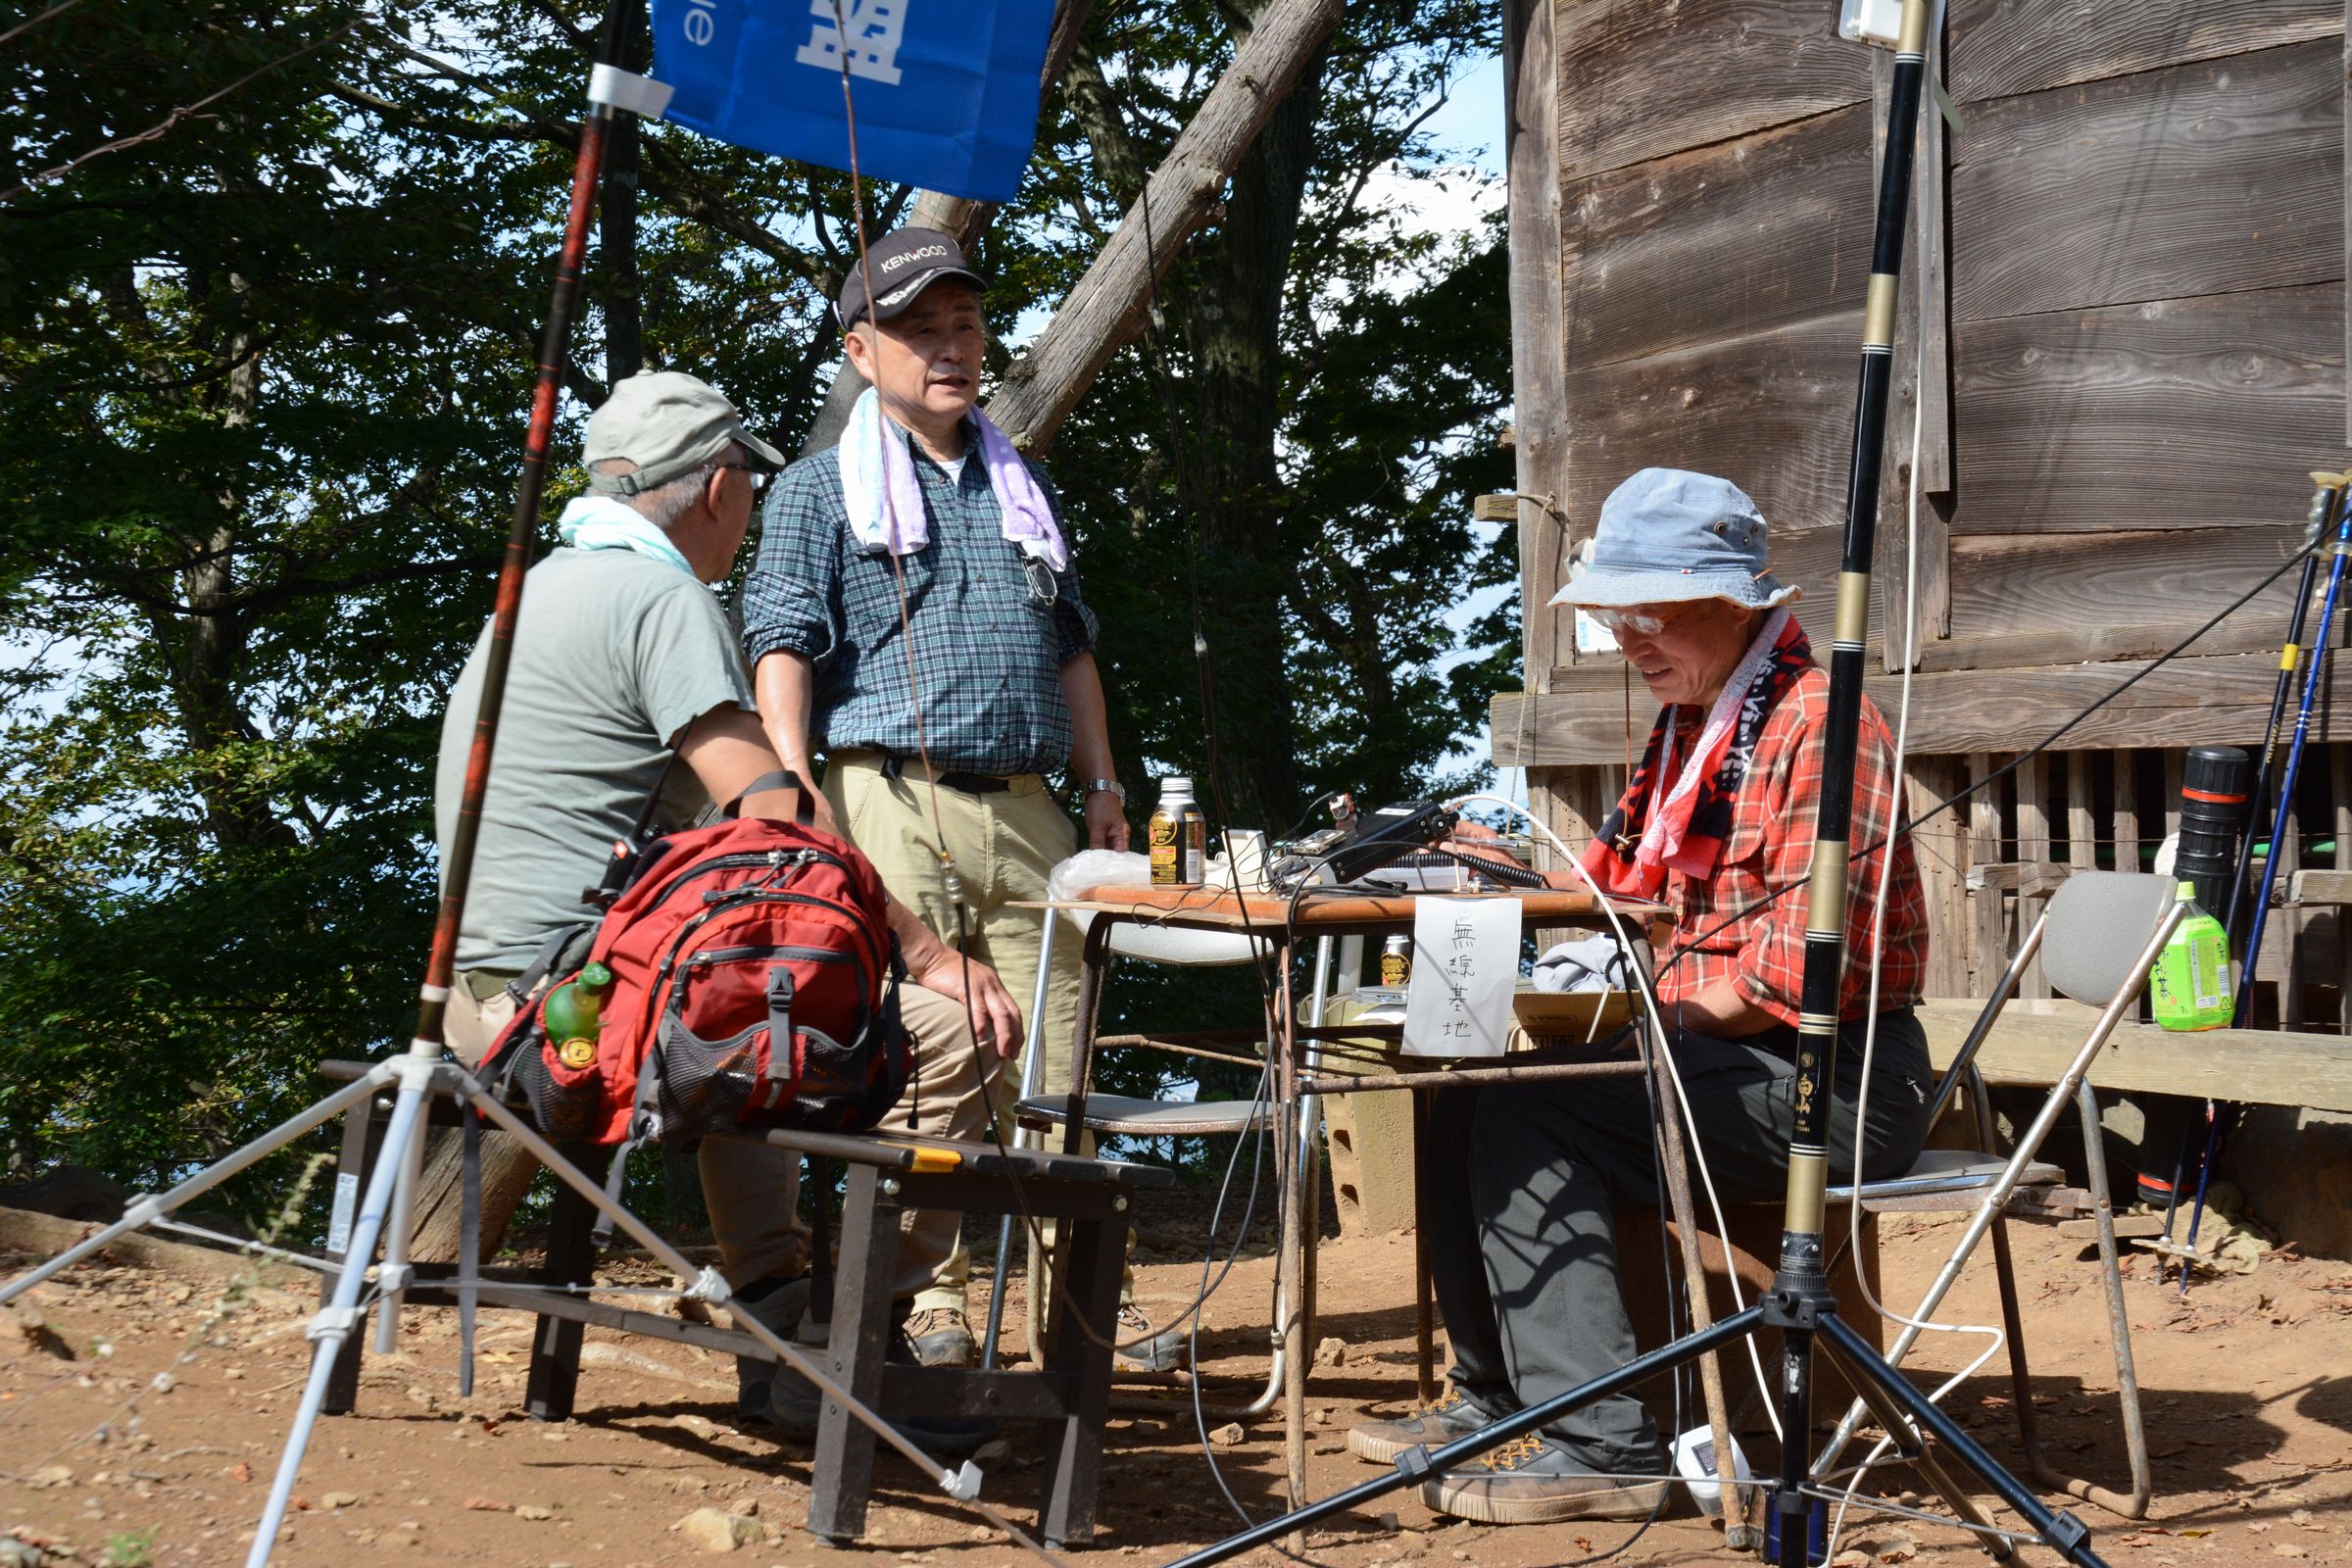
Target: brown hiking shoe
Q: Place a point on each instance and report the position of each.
(1430, 1426)
(942, 1336)
(1145, 1348)
(1528, 1482)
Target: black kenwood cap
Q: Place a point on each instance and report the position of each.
(904, 262)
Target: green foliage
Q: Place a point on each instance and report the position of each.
(130, 1549)
(264, 383)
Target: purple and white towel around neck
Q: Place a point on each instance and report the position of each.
(885, 501)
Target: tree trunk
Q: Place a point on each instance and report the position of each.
(1229, 483)
(1105, 308)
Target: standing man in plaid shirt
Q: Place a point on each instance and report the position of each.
(1716, 823)
(927, 494)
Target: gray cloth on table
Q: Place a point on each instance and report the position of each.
(1595, 964)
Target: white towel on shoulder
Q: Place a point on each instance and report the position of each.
(885, 501)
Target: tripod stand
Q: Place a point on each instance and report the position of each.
(1799, 1305)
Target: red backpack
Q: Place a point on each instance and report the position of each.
(754, 984)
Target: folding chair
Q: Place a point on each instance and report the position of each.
(1136, 1117)
(2098, 938)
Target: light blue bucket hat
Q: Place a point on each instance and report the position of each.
(1667, 535)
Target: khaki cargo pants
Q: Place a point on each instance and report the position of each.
(1005, 844)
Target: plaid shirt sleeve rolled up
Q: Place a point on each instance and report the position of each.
(1760, 945)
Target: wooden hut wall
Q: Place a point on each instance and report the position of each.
(2124, 289)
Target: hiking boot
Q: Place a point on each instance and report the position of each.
(1143, 1349)
(778, 1305)
(1528, 1482)
(942, 1336)
(1432, 1426)
(793, 1405)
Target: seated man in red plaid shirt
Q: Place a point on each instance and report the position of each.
(1716, 823)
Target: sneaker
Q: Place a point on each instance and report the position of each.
(1141, 1348)
(1527, 1480)
(1432, 1426)
(778, 1305)
(942, 1336)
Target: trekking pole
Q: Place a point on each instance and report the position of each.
(2269, 862)
(2324, 503)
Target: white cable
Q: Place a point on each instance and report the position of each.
(1665, 1051)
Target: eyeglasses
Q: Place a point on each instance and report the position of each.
(761, 475)
(1645, 623)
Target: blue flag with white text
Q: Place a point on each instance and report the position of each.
(946, 90)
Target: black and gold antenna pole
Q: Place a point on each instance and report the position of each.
(1800, 1303)
(1801, 1285)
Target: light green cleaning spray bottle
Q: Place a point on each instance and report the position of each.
(2189, 987)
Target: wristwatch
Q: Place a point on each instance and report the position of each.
(1107, 786)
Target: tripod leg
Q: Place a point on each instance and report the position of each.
(150, 1206)
(1913, 1449)
(340, 1319)
(1418, 1465)
(1789, 1504)
(2063, 1532)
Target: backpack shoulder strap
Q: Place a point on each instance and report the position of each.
(804, 811)
(548, 958)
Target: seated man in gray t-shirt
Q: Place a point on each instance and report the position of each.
(621, 660)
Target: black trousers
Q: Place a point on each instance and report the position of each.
(1519, 1182)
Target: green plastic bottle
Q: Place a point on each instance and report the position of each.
(2189, 987)
(574, 1013)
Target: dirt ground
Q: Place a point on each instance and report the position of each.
(142, 1425)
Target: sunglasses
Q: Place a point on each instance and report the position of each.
(1643, 623)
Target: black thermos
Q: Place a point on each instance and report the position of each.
(2213, 803)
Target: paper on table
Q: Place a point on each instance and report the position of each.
(1465, 965)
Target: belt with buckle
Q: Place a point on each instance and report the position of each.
(894, 767)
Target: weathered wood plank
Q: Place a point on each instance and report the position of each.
(2249, 1065)
(1772, 411)
(1919, 414)
(2001, 47)
(1942, 852)
(2203, 178)
(2126, 809)
(2033, 845)
(1728, 240)
(1989, 948)
(2137, 582)
(1538, 287)
(2190, 702)
(2177, 414)
(2018, 599)
(1642, 81)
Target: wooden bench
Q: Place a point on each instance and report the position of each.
(1086, 1198)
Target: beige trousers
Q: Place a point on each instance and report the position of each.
(1004, 846)
(753, 1192)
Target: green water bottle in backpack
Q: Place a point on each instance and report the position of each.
(2189, 987)
(573, 1015)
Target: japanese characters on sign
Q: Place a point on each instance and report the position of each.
(1465, 966)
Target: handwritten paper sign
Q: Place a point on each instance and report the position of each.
(1465, 966)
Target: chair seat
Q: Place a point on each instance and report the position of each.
(1941, 1172)
(1145, 1118)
